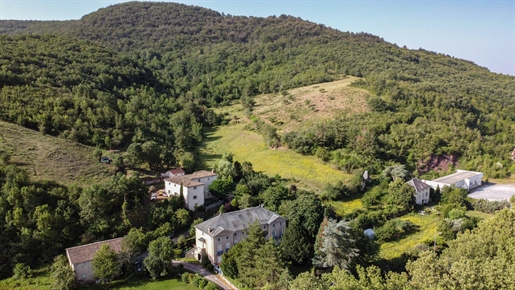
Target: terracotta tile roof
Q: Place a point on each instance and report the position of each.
(200, 174)
(186, 182)
(176, 171)
(86, 252)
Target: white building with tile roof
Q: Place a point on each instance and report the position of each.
(421, 191)
(217, 235)
(195, 187)
(81, 258)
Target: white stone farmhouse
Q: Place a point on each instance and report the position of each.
(195, 187)
(81, 258)
(217, 235)
(421, 191)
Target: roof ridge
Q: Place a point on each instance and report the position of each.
(94, 243)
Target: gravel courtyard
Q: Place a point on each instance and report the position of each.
(493, 191)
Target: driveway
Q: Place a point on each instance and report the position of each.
(492, 191)
(217, 279)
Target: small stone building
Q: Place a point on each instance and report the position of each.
(81, 258)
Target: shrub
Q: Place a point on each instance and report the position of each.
(487, 206)
(211, 286)
(21, 271)
(394, 229)
(186, 277)
(196, 280)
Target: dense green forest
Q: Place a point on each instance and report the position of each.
(146, 78)
(140, 79)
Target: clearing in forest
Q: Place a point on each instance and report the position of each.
(46, 157)
(297, 108)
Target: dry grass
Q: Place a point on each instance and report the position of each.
(311, 104)
(49, 158)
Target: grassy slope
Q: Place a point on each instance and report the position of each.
(343, 208)
(249, 146)
(428, 227)
(49, 158)
(40, 280)
(310, 104)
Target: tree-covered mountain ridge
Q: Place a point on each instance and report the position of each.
(429, 103)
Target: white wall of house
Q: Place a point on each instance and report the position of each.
(214, 247)
(194, 196)
(84, 271)
(422, 197)
(207, 182)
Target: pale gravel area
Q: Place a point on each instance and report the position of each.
(493, 191)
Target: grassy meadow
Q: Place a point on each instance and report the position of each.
(427, 230)
(40, 280)
(309, 171)
(46, 157)
(288, 111)
(342, 208)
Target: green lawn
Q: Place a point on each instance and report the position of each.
(156, 285)
(428, 228)
(40, 280)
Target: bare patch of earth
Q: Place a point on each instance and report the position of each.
(492, 191)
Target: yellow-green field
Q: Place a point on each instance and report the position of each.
(295, 109)
(49, 158)
(428, 228)
(342, 208)
(310, 171)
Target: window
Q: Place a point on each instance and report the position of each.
(227, 237)
(194, 187)
(175, 185)
(235, 234)
(218, 239)
(194, 197)
(273, 225)
(199, 180)
(266, 226)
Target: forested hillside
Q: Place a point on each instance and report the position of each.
(160, 57)
(148, 78)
